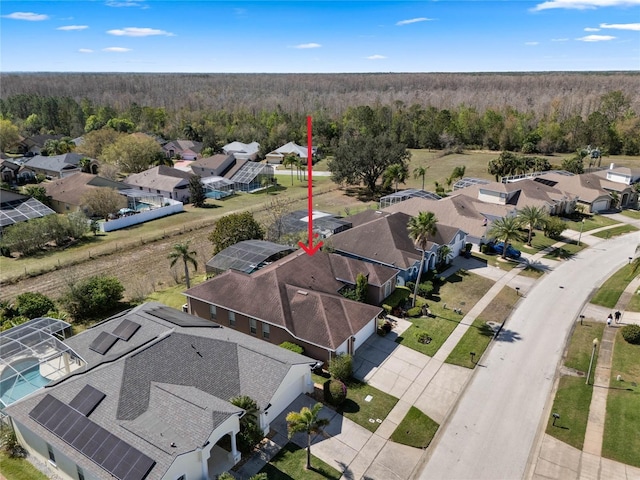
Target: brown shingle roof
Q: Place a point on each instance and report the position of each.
(161, 177)
(297, 293)
(71, 189)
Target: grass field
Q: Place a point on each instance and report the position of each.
(635, 214)
(573, 396)
(609, 293)
(477, 338)
(356, 409)
(621, 440)
(19, 469)
(416, 429)
(615, 231)
(290, 462)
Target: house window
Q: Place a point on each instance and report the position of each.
(265, 330)
(52, 456)
(252, 325)
(213, 310)
(80, 474)
(232, 319)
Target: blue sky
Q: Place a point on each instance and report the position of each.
(319, 36)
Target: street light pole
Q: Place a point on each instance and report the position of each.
(581, 227)
(595, 344)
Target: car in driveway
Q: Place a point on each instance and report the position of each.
(511, 252)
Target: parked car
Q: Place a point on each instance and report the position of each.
(511, 252)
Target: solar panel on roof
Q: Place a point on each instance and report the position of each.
(126, 329)
(102, 447)
(103, 342)
(87, 400)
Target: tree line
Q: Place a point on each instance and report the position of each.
(569, 113)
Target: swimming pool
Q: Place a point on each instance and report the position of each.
(15, 387)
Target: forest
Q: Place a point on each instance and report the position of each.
(524, 112)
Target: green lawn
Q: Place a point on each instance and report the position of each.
(438, 329)
(290, 462)
(631, 214)
(496, 261)
(573, 397)
(621, 441)
(479, 335)
(615, 231)
(173, 296)
(634, 303)
(566, 251)
(19, 469)
(416, 429)
(572, 402)
(609, 293)
(356, 409)
(591, 222)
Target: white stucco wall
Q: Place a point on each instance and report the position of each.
(142, 217)
(296, 382)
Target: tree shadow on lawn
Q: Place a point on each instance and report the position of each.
(349, 406)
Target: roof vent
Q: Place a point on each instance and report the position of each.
(303, 292)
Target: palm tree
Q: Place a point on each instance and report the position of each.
(505, 229)
(250, 407)
(533, 217)
(181, 252)
(420, 172)
(396, 173)
(306, 421)
(290, 160)
(444, 252)
(420, 229)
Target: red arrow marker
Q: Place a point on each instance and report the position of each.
(310, 248)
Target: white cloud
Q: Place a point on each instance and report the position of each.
(376, 57)
(532, 43)
(308, 45)
(584, 4)
(596, 38)
(622, 26)
(139, 32)
(125, 3)
(591, 29)
(559, 39)
(67, 28)
(412, 20)
(85, 50)
(116, 49)
(29, 16)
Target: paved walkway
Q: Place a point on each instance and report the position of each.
(432, 386)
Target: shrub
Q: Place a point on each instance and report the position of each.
(248, 437)
(398, 297)
(10, 444)
(335, 392)
(554, 227)
(92, 296)
(414, 312)
(293, 347)
(5, 251)
(33, 304)
(384, 327)
(423, 337)
(341, 367)
(631, 334)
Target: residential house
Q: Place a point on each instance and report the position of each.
(16, 207)
(154, 399)
(323, 223)
(593, 190)
(162, 180)
(9, 171)
(393, 247)
(466, 213)
(34, 145)
(297, 299)
(54, 166)
(67, 194)
(290, 148)
(247, 256)
(184, 149)
(246, 175)
(216, 165)
(628, 197)
(242, 151)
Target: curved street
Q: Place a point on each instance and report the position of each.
(492, 431)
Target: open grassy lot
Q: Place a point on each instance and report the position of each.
(416, 429)
(290, 462)
(356, 409)
(621, 441)
(19, 469)
(173, 296)
(609, 293)
(615, 231)
(573, 396)
(479, 335)
(461, 290)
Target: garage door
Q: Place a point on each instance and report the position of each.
(600, 205)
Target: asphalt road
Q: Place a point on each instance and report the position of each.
(492, 431)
